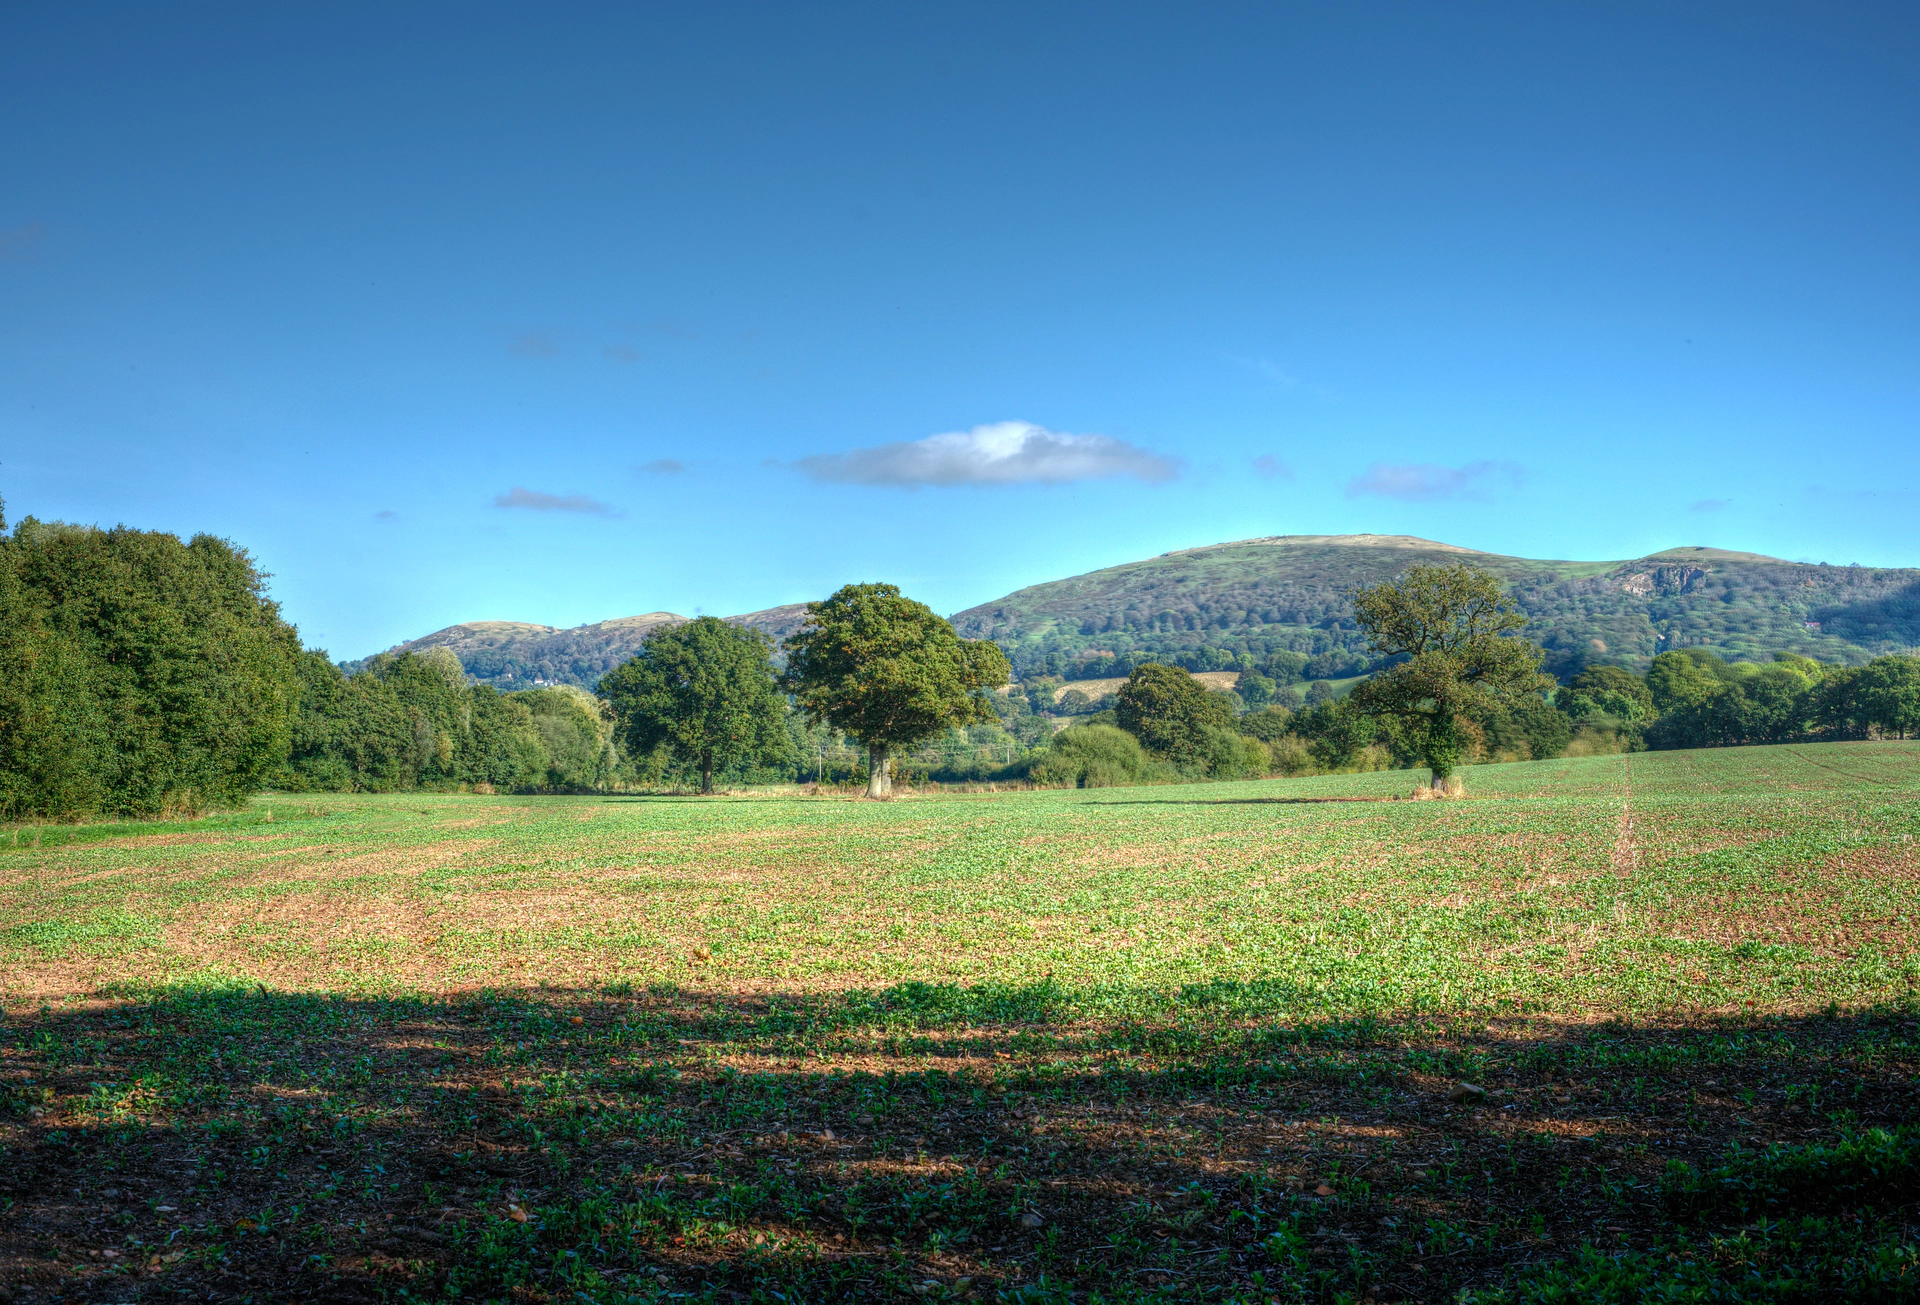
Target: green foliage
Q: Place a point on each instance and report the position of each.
(1173, 715)
(1336, 732)
(351, 734)
(1693, 699)
(1454, 626)
(1609, 692)
(576, 730)
(1682, 679)
(1874, 1167)
(1257, 690)
(1268, 724)
(705, 691)
(1888, 693)
(889, 672)
(1524, 729)
(138, 674)
(515, 655)
(1229, 754)
(410, 721)
(1090, 756)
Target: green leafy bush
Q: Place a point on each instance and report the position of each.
(1090, 756)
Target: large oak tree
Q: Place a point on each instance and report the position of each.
(890, 672)
(1458, 633)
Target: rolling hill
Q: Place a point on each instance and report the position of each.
(1281, 600)
(1286, 593)
(519, 655)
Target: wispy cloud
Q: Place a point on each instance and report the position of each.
(663, 467)
(1272, 468)
(1426, 482)
(540, 501)
(1269, 370)
(386, 514)
(1003, 453)
(19, 242)
(622, 353)
(1710, 505)
(535, 344)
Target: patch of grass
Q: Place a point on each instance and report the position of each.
(1765, 878)
(1191, 1044)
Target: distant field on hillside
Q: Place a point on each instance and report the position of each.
(1611, 1025)
(1111, 684)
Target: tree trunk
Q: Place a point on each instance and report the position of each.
(706, 772)
(879, 771)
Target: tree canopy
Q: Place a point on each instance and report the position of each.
(138, 674)
(890, 672)
(1456, 630)
(706, 692)
(1172, 714)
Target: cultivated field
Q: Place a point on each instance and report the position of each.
(1161, 1043)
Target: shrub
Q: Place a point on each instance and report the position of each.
(1090, 756)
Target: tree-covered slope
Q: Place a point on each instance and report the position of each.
(519, 655)
(1288, 594)
(1214, 607)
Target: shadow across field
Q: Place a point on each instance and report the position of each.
(957, 1143)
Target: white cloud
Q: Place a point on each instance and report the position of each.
(541, 501)
(1003, 453)
(1425, 482)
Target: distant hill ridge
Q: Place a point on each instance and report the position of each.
(1219, 605)
(1254, 598)
(522, 655)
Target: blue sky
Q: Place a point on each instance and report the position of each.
(463, 312)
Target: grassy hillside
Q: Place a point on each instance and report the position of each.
(1287, 593)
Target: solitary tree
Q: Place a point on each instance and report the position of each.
(1171, 713)
(705, 689)
(1456, 630)
(890, 672)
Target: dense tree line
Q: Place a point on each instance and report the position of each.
(414, 721)
(138, 674)
(142, 675)
(1694, 699)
